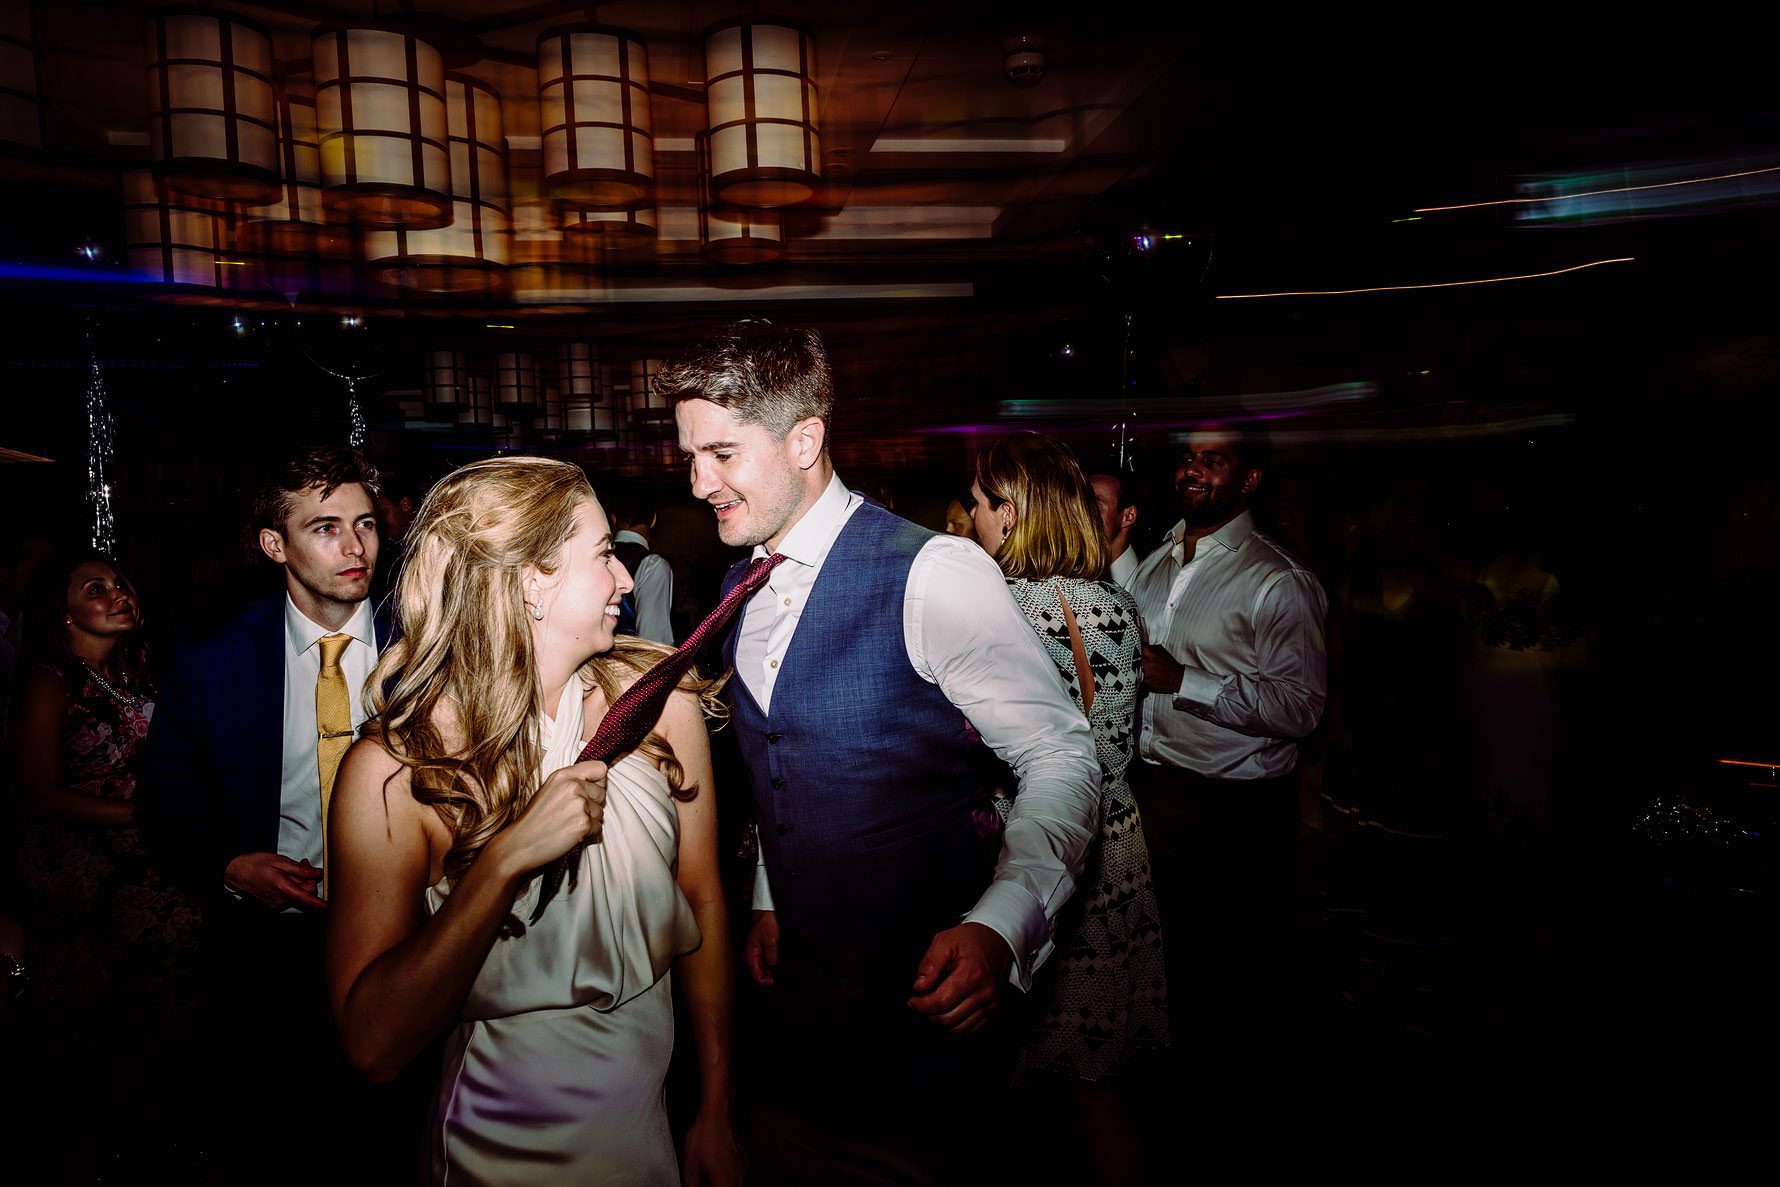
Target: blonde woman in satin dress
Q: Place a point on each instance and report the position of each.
(464, 786)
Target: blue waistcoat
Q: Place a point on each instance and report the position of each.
(863, 801)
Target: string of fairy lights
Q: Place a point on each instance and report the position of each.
(101, 462)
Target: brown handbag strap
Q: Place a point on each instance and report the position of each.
(1084, 674)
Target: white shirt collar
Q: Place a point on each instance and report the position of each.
(626, 536)
(807, 541)
(1231, 535)
(303, 631)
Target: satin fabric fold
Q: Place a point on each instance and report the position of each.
(555, 1073)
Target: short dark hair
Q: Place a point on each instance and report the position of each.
(1250, 445)
(1126, 498)
(327, 466)
(773, 376)
(627, 503)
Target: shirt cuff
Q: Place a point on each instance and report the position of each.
(1198, 689)
(763, 894)
(1015, 914)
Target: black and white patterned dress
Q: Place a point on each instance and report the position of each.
(1103, 993)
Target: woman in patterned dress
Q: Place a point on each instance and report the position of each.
(115, 943)
(112, 930)
(1034, 511)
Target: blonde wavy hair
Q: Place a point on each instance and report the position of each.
(464, 651)
(1057, 530)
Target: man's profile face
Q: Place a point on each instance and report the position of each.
(747, 475)
(328, 547)
(394, 516)
(1106, 497)
(1212, 483)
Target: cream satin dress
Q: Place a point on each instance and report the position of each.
(555, 1073)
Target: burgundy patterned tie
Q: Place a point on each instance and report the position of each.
(639, 707)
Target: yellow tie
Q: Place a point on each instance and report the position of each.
(333, 730)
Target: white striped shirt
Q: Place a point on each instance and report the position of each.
(1245, 618)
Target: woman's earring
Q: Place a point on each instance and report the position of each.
(538, 613)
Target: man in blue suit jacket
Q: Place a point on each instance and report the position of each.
(232, 789)
(233, 779)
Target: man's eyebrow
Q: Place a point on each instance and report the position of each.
(719, 445)
(315, 519)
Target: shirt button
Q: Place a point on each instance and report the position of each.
(778, 783)
(787, 601)
(772, 663)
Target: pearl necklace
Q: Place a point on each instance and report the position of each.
(124, 698)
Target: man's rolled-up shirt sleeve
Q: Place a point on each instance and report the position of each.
(965, 633)
(1283, 698)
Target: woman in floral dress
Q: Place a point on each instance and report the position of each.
(1034, 511)
(114, 941)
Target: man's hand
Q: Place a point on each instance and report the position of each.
(958, 983)
(275, 882)
(1161, 671)
(760, 950)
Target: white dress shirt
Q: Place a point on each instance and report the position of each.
(1245, 619)
(299, 792)
(964, 634)
(1123, 568)
(653, 594)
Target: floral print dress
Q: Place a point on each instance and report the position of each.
(113, 935)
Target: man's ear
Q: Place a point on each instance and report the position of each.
(272, 544)
(807, 438)
(1250, 480)
(1127, 517)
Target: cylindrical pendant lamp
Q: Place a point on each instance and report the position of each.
(760, 101)
(577, 370)
(479, 409)
(445, 384)
(646, 401)
(737, 235)
(577, 414)
(553, 408)
(637, 223)
(173, 238)
(469, 255)
(211, 116)
(593, 101)
(516, 383)
(295, 221)
(380, 97)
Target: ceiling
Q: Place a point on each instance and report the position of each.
(967, 230)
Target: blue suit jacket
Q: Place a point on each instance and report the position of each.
(215, 754)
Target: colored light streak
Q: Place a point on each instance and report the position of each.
(1624, 189)
(1446, 284)
(1741, 762)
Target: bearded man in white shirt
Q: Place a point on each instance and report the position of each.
(886, 924)
(1235, 672)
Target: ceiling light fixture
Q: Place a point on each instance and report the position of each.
(210, 105)
(593, 101)
(471, 254)
(760, 100)
(380, 101)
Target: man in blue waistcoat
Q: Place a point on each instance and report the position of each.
(887, 916)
